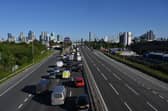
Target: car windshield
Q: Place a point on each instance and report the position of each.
(58, 95)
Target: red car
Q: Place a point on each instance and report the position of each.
(79, 82)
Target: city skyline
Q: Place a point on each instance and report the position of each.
(75, 18)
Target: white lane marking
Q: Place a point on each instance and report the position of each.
(104, 76)
(26, 99)
(161, 97)
(29, 95)
(20, 106)
(151, 106)
(116, 76)
(114, 89)
(98, 69)
(154, 92)
(26, 75)
(127, 106)
(98, 90)
(70, 93)
(136, 93)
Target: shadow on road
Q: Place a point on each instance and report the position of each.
(30, 89)
(69, 84)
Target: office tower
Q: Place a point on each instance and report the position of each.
(125, 38)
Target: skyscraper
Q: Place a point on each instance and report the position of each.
(11, 38)
(148, 36)
(31, 36)
(90, 35)
(21, 37)
(125, 38)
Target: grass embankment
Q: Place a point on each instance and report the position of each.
(4, 75)
(144, 68)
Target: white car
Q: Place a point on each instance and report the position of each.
(79, 58)
(59, 63)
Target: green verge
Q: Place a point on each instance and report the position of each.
(144, 68)
(5, 76)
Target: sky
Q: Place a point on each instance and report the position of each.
(75, 18)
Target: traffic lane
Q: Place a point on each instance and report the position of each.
(73, 91)
(135, 74)
(111, 99)
(151, 98)
(20, 90)
(43, 102)
(126, 94)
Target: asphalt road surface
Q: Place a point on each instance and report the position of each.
(124, 88)
(17, 94)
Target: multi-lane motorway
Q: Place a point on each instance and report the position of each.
(121, 88)
(124, 88)
(17, 94)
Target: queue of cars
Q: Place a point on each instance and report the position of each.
(63, 70)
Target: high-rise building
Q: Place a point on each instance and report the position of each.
(125, 38)
(31, 36)
(44, 36)
(106, 39)
(21, 37)
(90, 36)
(52, 37)
(11, 38)
(58, 37)
(148, 36)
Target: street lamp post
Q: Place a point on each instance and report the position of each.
(33, 51)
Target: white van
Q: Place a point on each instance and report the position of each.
(58, 95)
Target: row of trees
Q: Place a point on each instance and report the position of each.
(12, 54)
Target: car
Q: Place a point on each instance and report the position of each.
(79, 58)
(52, 75)
(59, 63)
(82, 103)
(66, 74)
(42, 86)
(77, 67)
(58, 95)
(79, 82)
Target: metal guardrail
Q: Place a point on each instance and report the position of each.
(97, 103)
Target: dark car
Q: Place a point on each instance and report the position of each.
(77, 68)
(42, 86)
(82, 103)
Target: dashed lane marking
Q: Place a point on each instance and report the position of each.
(114, 89)
(129, 108)
(20, 106)
(151, 106)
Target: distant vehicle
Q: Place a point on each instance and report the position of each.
(50, 69)
(52, 75)
(66, 74)
(77, 67)
(78, 53)
(42, 86)
(82, 103)
(58, 95)
(79, 82)
(79, 58)
(59, 63)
